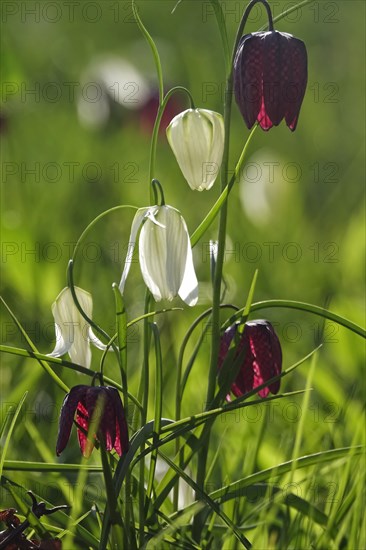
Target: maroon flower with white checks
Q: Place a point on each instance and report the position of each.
(262, 356)
(270, 77)
(101, 405)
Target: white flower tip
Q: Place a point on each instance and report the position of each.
(191, 298)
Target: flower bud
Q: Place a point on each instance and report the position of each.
(262, 357)
(196, 137)
(270, 76)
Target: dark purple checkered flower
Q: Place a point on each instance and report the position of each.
(262, 356)
(270, 76)
(99, 404)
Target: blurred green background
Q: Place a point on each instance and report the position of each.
(297, 213)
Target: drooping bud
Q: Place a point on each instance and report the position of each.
(196, 137)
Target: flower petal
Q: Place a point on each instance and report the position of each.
(248, 77)
(96, 342)
(266, 353)
(67, 414)
(137, 221)
(270, 77)
(62, 346)
(107, 427)
(188, 290)
(62, 311)
(163, 252)
(79, 352)
(70, 327)
(121, 443)
(297, 52)
(82, 419)
(275, 75)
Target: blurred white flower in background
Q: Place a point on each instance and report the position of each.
(108, 81)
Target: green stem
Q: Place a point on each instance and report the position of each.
(209, 218)
(203, 453)
(121, 325)
(162, 100)
(244, 20)
(116, 519)
(43, 362)
(180, 384)
(286, 13)
(311, 308)
(143, 397)
(156, 185)
(204, 439)
(153, 47)
(70, 281)
(94, 222)
(157, 412)
(220, 19)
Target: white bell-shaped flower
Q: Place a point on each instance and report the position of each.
(165, 254)
(197, 139)
(73, 332)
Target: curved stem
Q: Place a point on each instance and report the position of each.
(157, 185)
(68, 365)
(153, 47)
(70, 282)
(159, 72)
(244, 20)
(94, 222)
(285, 13)
(310, 308)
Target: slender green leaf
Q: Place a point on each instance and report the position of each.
(44, 364)
(23, 466)
(317, 310)
(209, 502)
(15, 415)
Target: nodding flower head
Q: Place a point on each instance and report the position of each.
(96, 408)
(165, 254)
(196, 137)
(270, 77)
(262, 356)
(73, 333)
